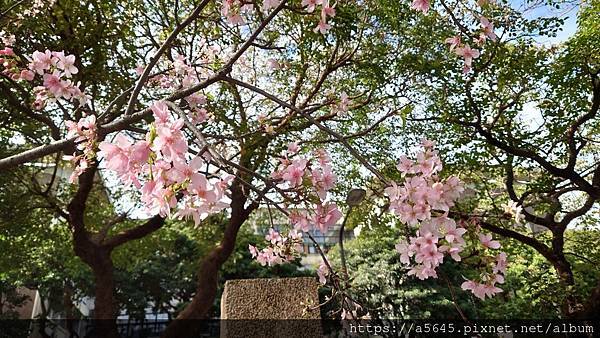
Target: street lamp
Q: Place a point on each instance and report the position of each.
(354, 198)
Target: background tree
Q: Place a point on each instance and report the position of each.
(535, 154)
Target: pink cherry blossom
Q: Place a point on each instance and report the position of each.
(454, 234)
(453, 42)
(501, 263)
(161, 201)
(82, 165)
(405, 252)
(344, 105)
(231, 9)
(326, 216)
(161, 112)
(170, 141)
(200, 187)
(405, 165)
(182, 171)
(467, 53)
(294, 173)
(429, 255)
(273, 236)
(487, 242)
(194, 100)
(27, 75)
(327, 10)
(269, 4)
(453, 250)
(253, 250)
(7, 51)
(488, 28)
(116, 153)
(322, 156)
(292, 148)
(311, 4)
(140, 151)
(322, 27)
(66, 64)
(323, 180)
(323, 272)
(423, 272)
(41, 61)
(420, 5)
(53, 83)
(300, 221)
(481, 290)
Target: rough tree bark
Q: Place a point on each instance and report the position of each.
(98, 258)
(96, 252)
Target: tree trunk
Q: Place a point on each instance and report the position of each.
(571, 304)
(187, 323)
(105, 310)
(565, 275)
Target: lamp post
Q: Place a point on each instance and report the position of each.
(354, 198)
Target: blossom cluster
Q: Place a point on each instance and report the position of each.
(84, 131)
(282, 248)
(422, 191)
(459, 48)
(159, 167)
(310, 180)
(424, 201)
(327, 10)
(232, 10)
(464, 50)
(492, 272)
(55, 69)
(435, 239)
(307, 179)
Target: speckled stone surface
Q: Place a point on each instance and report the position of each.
(270, 308)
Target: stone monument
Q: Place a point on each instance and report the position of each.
(271, 307)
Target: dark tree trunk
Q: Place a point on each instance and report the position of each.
(95, 250)
(555, 255)
(565, 275)
(187, 322)
(105, 309)
(563, 268)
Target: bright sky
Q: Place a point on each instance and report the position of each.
(567, 12)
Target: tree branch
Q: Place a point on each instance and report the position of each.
(154, 59)
(140, 231)
(319, 125)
